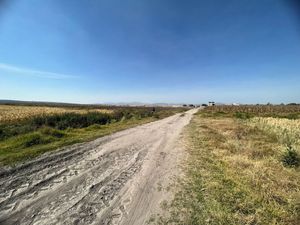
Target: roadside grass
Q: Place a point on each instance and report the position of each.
(64, 121)
(27, 146)
(234, 174)
(28, 139)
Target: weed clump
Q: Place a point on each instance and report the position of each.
(242, 115)
(52, 132)
(290, 157)
(34, 139)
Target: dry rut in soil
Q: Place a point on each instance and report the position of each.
(112, 180)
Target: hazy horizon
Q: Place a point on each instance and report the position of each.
(150, 51)
(5, 101)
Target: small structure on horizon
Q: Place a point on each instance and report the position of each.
(211, 103)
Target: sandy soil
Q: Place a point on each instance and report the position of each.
(116, 179)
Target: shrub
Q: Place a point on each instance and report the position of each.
(52, 132)
(98, 118)
(292, 116)
(2, 134)
(242, 115)
(7, 131)
(156, 116)
(118, 115)
(34, 139)
(71, 120)
(128, 116)
(290, 157)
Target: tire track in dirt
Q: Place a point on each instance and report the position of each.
(112, 180)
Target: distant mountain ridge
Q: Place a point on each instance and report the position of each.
(43, 103)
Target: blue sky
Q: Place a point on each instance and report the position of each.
(174, 51)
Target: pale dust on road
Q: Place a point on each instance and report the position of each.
(116, 179)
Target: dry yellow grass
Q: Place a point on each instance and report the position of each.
(234, 174)
(286, 130)
(9, 113)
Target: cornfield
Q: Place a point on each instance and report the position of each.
(10, 113)
(255, 109)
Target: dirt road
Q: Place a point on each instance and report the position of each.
(117, 179)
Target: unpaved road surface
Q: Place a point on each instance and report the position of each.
(117, 179)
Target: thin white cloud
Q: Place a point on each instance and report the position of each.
(34, 73)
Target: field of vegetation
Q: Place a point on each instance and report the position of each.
(27, 131)
(242, 167)
(247, 111)
(10, 113)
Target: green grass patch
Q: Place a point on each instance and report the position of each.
(34, 139)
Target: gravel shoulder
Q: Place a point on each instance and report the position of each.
(116, 179)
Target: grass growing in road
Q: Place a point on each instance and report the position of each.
(235, 174)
